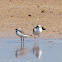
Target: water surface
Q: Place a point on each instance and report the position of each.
(49, 50)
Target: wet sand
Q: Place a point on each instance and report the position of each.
(27, 14)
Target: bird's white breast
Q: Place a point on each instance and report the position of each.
(19, 34)
(37, 31)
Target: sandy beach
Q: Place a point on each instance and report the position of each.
(26, 14)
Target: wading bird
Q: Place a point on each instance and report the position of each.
(37, 30)
(22, 35)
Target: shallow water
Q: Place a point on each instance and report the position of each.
(49, 50)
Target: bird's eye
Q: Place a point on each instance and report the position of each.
(37, 26)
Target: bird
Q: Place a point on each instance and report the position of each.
(22, 35)
(37, 30)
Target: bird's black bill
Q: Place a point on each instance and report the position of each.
(43, 28)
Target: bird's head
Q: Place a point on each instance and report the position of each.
(39, 26)
(16, 29)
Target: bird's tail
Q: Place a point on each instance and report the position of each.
(30, 36)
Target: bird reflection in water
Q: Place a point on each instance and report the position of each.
(37, 51)
(21, 51)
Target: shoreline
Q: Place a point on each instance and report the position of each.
(32, 38)
(42, 36)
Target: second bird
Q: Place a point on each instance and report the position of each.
(37, 30)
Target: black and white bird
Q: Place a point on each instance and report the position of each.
(37, 30)
(22, 35)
